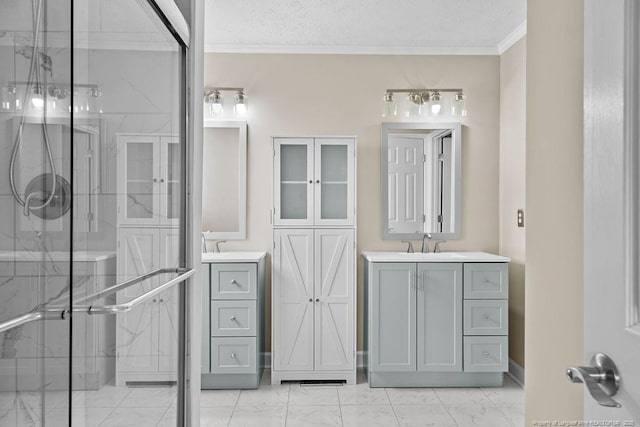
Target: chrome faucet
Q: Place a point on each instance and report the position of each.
(436, 248)
(410, 247)
(204, 244)
(425, 243)
(218, 245)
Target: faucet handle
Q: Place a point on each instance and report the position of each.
(436, 248)
(409, 247)
(218, 244)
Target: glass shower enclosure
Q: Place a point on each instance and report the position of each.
(93, 213)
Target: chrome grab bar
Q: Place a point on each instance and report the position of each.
(30, 317)
(124, 307)
(53, 313)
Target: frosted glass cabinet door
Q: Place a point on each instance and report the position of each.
(170, 180)
(334, 181)
(293, 181)
(139, 175)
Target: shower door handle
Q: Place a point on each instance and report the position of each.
(183, 274)
(31, 317)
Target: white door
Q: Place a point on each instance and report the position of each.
(611, 217)
(406, 183)
(334, 183)
(334, 299)
(293, 300)
(138, 328)
(168, 304)
(293, 181)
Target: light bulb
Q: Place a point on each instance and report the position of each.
(389, 107)
(415, 105)
(214, 103)
(435, 104)
(241, 104)
(459, 105)
(36, 98)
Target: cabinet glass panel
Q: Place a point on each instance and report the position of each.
(293, 184)
(140, 197)
(173, 180)
(334, 186)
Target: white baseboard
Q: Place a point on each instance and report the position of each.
(516, 372)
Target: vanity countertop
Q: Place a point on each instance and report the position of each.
(54, 256)
(209, 257)
(433, 257)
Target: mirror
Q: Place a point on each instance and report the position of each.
(421, 180)
(224, 185)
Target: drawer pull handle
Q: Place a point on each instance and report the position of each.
(234, 282)
(233, 356)
(485, 316)
(232, 318)
(486, 353)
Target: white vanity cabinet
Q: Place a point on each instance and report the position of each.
(314, 181)
(313, 271)
(233, 316)
(436, 323)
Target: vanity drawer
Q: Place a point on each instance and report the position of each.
(486, 317)
(233, 281)
(233, 318)
(486, 354)
(233, 355)
(486, 280)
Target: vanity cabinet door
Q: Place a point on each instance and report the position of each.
(293, 300)
(293, 181)
(334, 296)
(334, 184)
(439, 331)
(393, 317)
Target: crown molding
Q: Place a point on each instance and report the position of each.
(512, 38)
(349, 50)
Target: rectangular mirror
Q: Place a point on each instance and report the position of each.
(224, 185)
(421, 180)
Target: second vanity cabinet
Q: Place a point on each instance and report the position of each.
(436, 324)
(233, 316)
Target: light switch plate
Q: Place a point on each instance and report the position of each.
(520, 217)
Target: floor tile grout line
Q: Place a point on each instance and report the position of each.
(393, 408)
(445, 407)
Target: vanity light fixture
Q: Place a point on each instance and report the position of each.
(433, 99)
(214, 101)
(56, 97)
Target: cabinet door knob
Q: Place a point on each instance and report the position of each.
(310, 299)
(317, 181)
(155, 179)
(317, 299)
(232, 318)
(154, 300)
(233, 355)
(310, 181)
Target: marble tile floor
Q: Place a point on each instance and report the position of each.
(287, 405)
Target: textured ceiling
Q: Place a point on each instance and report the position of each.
(361, 26)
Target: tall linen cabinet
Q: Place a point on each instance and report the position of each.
(313, 274)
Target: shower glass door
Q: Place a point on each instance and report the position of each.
(36, 217)
(92, 214)
(128, 83)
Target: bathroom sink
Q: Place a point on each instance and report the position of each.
(433, 257)
(232, 256)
